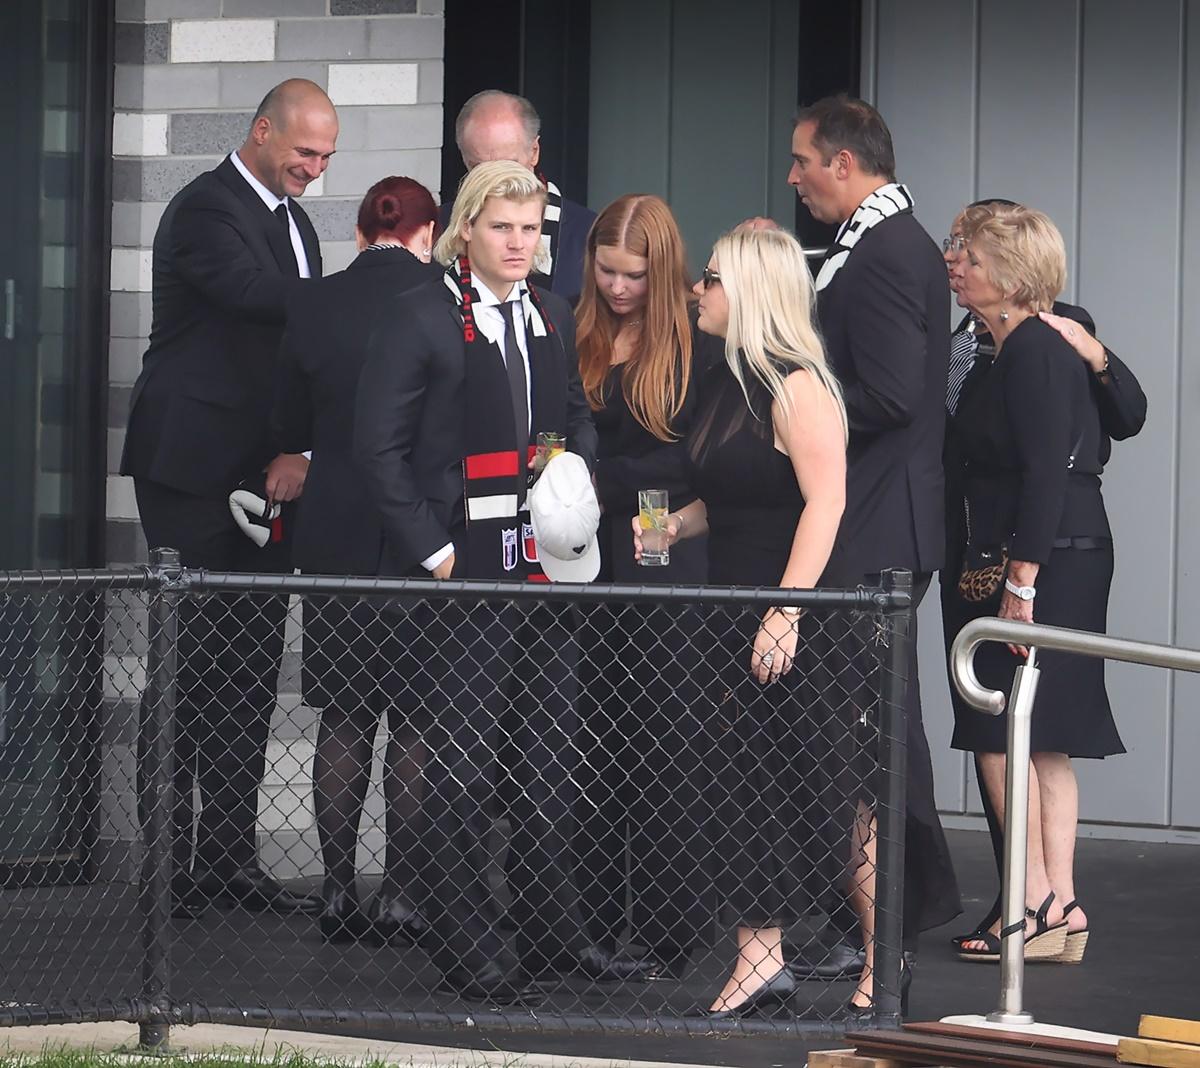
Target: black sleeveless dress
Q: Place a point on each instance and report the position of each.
(790, 761)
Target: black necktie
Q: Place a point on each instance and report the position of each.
(281, 213)
(516, 384)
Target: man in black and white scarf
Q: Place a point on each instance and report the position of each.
(497, 125)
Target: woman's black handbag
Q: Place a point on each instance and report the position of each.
(982, 573)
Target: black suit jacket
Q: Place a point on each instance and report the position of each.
(883, 317)
(329, 324)
(573, 227)
(408, 431)
(200, 415)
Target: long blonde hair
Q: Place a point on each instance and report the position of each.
(496, 178)
(642, 225)
(772, 313)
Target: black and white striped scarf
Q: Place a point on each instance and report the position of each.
(963, 346)
(550, 223)
(886, 201)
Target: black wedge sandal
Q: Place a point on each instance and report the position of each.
(1046, 943)
(1076, 940)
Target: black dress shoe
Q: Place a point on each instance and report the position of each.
(342, 919)
(187, 902)
(603, 966)
(667, 963)
(252, 888)
(774, 994)
(841, 961)
(492, 986)
(392, 918)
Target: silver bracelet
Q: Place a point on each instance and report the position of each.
(679, 532)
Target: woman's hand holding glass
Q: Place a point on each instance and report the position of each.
(671, 528)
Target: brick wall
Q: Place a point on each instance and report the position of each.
(189, 74)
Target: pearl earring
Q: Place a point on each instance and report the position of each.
(1004, 315)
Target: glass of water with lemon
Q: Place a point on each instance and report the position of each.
(652, 518)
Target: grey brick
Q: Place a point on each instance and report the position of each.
(431, 81)
(337, 255)
(321, 39)
(357, 171)
(415, 38)
(240, 8)
(133, 224)
(114, 444)
(118, 405)
(140, 42)
(433, 7)
(163, 178)
(189, 85)
(129, 315)
(124, 542)
(334, 219)
(131, 10)
(127, 180)
(207, 133)
(415, 126)
(372, 7)
(181, 9)
(125, 359)
(245, 84)
(120, 718)
(129, 87)
(352, 128)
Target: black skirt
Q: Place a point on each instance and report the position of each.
(1071, 713)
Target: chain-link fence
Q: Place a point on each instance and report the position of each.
(308, 800)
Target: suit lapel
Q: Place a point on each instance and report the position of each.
(278, 240)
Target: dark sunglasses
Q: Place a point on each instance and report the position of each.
(708, 277)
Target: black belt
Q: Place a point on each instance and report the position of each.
(1085, 542)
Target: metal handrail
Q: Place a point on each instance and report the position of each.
(1011, 1010)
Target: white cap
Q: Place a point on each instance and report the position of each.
(565, 516)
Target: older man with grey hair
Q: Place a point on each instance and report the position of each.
(497, 125)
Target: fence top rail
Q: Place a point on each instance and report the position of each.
(1082, 642)
(138, 578)
(863, 599)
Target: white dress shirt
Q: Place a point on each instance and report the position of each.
(272, 202)
(490, 321)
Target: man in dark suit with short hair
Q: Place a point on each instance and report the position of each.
(229, 248)
(884, 307)
(498, 125)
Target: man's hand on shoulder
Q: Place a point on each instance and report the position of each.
(285, 476)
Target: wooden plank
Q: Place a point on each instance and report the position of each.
(914, 1048)
(1024, 1039)
(847, 1058)
(1169, 1029)
(1161, 1054)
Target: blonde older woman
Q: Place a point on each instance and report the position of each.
(1039, 547)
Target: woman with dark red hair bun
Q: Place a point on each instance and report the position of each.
(347, 649)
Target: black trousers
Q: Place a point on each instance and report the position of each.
(643, 841)
(500, 690)
(229, 651)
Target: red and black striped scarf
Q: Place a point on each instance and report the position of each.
(499, 536)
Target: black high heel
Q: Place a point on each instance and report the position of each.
(981, 928)
(1046, 943)
(341, 919)
(393, 919)
(852, 1012)
(776, 992)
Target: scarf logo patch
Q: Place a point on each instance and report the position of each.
(509, 541)
(528, 545)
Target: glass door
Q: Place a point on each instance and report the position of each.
(55, 114)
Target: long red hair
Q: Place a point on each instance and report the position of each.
(655, 379)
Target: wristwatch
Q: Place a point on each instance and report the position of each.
(789, 611)
(1026, 593)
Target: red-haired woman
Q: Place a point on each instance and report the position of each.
(641, 675)
(346, 647)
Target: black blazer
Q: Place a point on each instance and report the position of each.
(573, 227)
(1119, 400)
(408, 434)
(336, 530)
(883, 317)
(1031, 433)
(200, 415)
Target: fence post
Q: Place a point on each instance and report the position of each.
(156, 801)
(890, 803)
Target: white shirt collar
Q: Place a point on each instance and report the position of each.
(488, 299)
(264, 194)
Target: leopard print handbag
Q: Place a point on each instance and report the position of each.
(983, 568)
